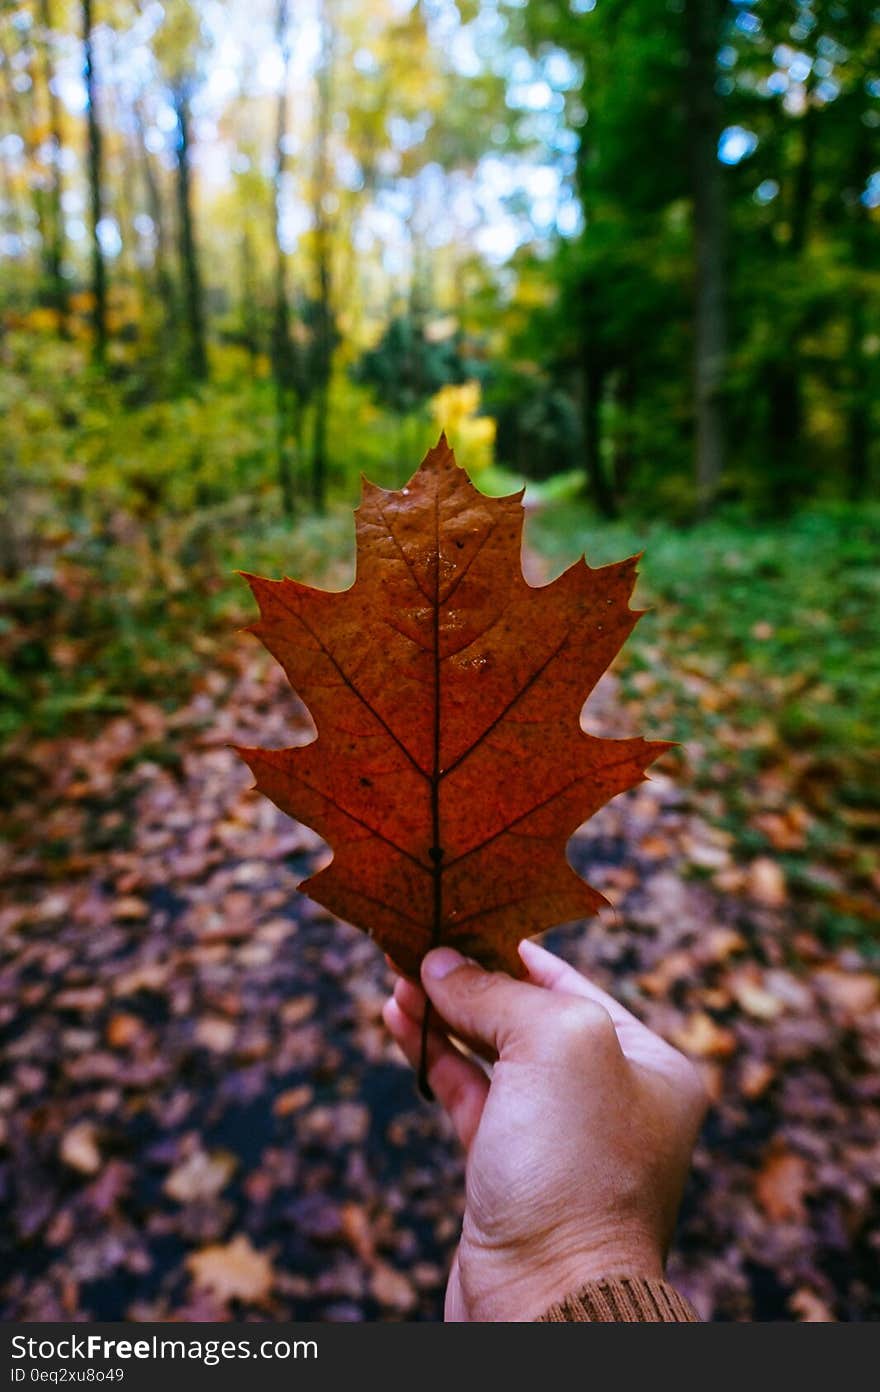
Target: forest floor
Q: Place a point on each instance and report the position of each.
(203, 1116)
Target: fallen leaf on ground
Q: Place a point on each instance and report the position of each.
(852, 993)
(766, 882)
(755, 1077)
(786, 831)
(293, 1100)
(751, 995)
(701, 1037)
(130, 907)
(233, 1271)
(810, 1308)
(781, 1185)
(123, 1030)
(79, 1148)
(358, 1231)
(390, 1287)
(200, 1176)
(215, 1033)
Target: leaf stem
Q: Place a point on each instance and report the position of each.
(436, 850)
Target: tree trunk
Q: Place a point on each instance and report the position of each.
(189, 259)
(785, 426)
(250, 324)
(592, 384)
(703, 37)
(126, 207)
(624, 447)
(99, 274)
(25, 122)
(324, 319)
(319, 445)
(281, 345)
(863, 260)
(786, 403)
(55, 221)
(858, 431)
(13, 216)
(162, 275)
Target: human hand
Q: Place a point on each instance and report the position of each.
(578, 1145)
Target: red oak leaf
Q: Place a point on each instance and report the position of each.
(449, 768)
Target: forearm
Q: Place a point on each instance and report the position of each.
(623, 1300)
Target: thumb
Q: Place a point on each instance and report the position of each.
(501, 1014)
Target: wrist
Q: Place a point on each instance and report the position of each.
(520, 1283)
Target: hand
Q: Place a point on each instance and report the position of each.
(578, 1145)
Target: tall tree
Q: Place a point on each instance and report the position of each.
(703, 39)
(190, 270)
(54, 250)
(864, 260)
(21, 119)
(785, 377)
(178, 49)
(864, 249)
(162, 277)
(324, 323)
(282, 347)
(624, 304)
(95, 176)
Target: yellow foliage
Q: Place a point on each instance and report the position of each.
(455, 409)
(534, 292)
(41, 320)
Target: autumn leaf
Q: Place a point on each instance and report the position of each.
(449, 769)
(781, 1186)
(233, 1271)
(79, 1148)
(200, 1176)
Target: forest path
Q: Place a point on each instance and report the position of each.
(204, 1116)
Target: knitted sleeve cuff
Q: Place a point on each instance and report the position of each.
(623, 1300)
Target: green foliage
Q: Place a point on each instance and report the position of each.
(760, 654)
(410, 364)
(796, 603)
(800, 253)
(124, 516)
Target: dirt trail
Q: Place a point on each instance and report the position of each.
(202, 1114)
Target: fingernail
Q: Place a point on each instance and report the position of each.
(441, 962)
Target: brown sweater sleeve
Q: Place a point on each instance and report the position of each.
(623, 1300)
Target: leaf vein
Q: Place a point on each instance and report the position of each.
(502, 715)
(351, 686)
(581, 778)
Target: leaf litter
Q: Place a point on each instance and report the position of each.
(202, 1116)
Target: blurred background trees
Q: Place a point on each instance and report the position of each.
(649, 227)
(626, 250)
